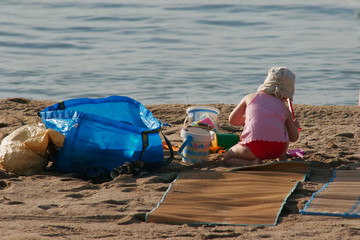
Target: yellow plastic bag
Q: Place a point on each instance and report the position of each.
(24, 150)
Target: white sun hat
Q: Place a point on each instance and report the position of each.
(280, 82)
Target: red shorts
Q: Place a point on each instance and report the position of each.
(266, 149)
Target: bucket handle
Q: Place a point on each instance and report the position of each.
(186, 119)
(189, 138)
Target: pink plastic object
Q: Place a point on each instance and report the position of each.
(296, 152)
(207, 121)
(292, 111)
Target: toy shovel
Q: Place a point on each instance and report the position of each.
(292, 111)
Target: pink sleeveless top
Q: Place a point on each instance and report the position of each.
(265, 118)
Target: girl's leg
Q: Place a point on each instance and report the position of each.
(239, 155)
(283, 155)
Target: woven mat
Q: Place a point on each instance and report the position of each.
(339, 197)
(242, 196)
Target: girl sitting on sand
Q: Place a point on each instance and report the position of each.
(268, 123)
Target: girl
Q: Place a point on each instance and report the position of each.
(268, 123)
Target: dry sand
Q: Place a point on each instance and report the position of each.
(51, 205)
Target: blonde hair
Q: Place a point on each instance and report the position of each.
(280, 82)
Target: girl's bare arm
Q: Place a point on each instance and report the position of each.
(292, 127)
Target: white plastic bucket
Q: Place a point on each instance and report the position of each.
(195, 148)
(199, 113)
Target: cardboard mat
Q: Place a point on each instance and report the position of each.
(339, 197)
(242, 196)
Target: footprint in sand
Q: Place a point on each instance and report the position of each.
(117, 205)
(70, 177)
(162, 188)
(48, 206)
(4, 184)
(13, 202)
(3, 125)
(128, 189)
(130, 219)
(353, 231)
(347, 135)
(128, 185)
(75, 195)
(87, 186)
(115, 202)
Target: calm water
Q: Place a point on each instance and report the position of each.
(178, 51)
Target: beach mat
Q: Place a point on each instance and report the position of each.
(339, 197)
(241, 196)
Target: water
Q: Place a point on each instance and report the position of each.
(178, 51)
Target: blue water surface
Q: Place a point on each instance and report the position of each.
(178, 51)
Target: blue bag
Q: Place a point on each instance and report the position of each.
(104, 133)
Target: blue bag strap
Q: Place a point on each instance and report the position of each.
(145, 140)
(172, 155)
(145, 143)
(166, 161)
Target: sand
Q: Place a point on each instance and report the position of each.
(51, 205)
